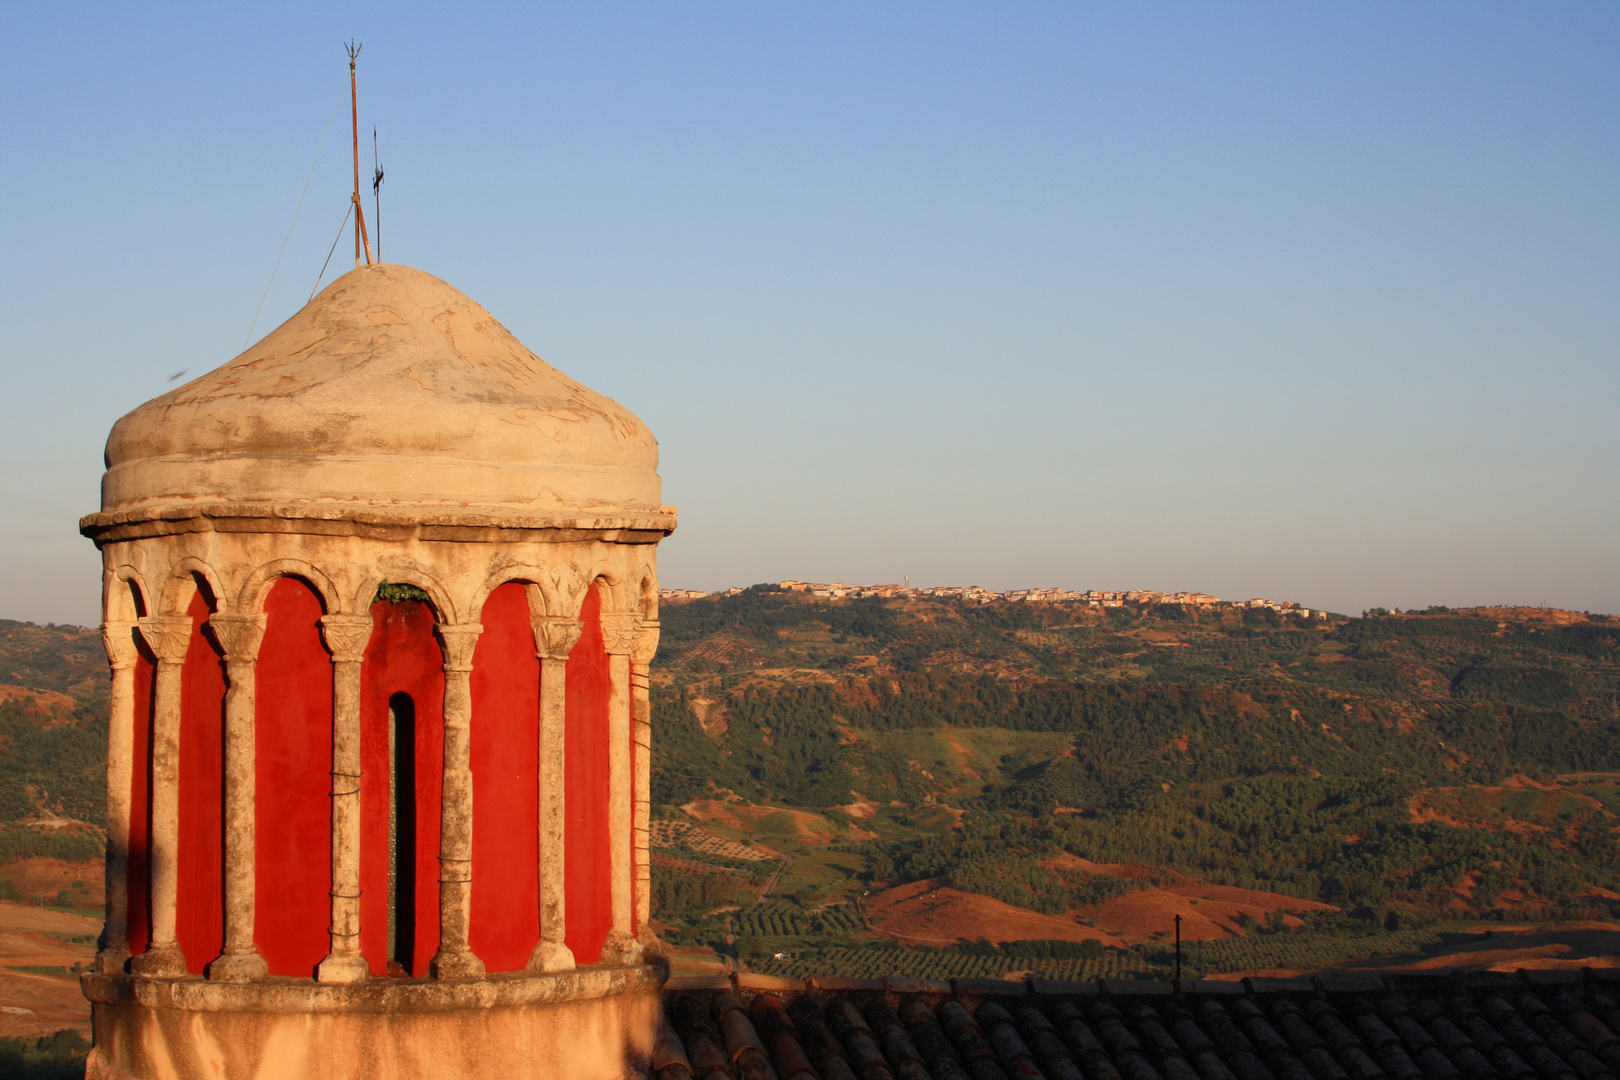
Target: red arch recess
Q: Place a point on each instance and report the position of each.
(589, 883)
(140, 803)
(293, 817)
(505, 767)
(200, 902)
(402, 657)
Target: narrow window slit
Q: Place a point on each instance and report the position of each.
(401, 834)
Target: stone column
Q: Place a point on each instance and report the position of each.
(168, 636)
(554, 639)
(239, 637)
(641, 717)
(346, 637)
(618, 637)
(117, 638)
(455, 958)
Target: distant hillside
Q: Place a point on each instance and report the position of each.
(1104, 767)
(1449, 764)
(53, 741)
(66, 659)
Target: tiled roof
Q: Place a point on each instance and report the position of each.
(1555, 1026)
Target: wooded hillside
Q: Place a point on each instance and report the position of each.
(1445, 762)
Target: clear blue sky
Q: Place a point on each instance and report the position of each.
(1309, 301)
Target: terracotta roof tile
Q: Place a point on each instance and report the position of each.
(1350, 1027)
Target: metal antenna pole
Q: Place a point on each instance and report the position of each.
(1178, 948)
(354, 117)
(360, 237)
(376, 189)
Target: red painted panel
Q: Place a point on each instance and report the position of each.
(140, 803)
(506, 795)
(635, 856)
(200, 901)
(402, 657)
(589, 884)
(293, 818)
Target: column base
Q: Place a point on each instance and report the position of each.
(551, 956)
(112, 961)
(621, 948)
(456, 965)
(238, 967)
(160, 960)
(342, 969)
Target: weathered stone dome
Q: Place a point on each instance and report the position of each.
(389, 390)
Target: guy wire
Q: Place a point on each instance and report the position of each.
(333, 248)
(300, 207)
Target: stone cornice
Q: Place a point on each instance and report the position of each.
(391, 523)
(300, 996)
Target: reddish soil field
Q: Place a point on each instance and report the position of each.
(747, 817)
(931, 913)
(43, 880)
(1568, 946)
(1207, 911)
(1556, 945)
(1133, 871)
(861, 807)
(39, 1003)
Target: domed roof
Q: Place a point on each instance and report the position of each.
(389, 390)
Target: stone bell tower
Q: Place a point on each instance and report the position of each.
(379, 597)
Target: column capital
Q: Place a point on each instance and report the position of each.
(619, 632)
(169, 636)
(346, 636)
(459, 640)
(120, 645)
(646, 644)
(239, 636)
(555, 638)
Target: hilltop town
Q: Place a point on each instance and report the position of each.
(976, 595)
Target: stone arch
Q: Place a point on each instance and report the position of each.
(609, 583)
(407, 573)
(527, 574)
(250, 601)
(198, 574)
(614, 584)
(127, 597)
(643, 593)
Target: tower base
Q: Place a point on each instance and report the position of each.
(588, 1024)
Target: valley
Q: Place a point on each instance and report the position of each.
(917, 785)
(1298, 790)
